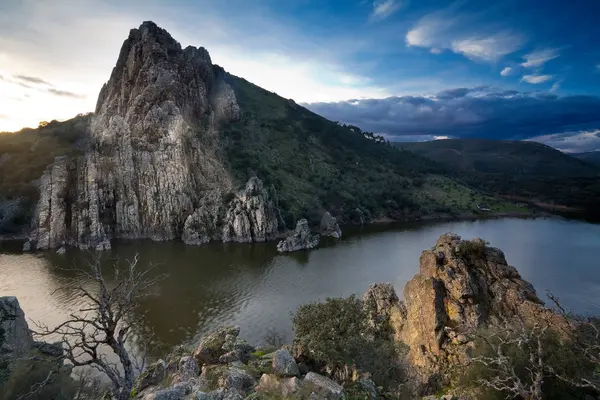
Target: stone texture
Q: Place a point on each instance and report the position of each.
(299, 239)
(275, 385)
(387, 314)
(330, 227)
(151, 167)
(284, 364)
(210, 348)
(461, 286)
(15, 338)
(175, 392)
(153, 375)
(326, 387)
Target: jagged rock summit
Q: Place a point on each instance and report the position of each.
(462, 285)
(151, 168)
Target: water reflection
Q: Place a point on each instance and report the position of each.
(258, 289)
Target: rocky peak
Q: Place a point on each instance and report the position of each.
(153, 157)
(462, 285)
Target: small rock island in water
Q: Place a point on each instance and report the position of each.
(464, 315)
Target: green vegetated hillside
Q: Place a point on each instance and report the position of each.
(23, 157)
(591, 157)
(527, 170)
(309, 163)
(315, 165)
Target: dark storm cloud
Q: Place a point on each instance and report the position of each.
(32, 79)
(483, 112)
(65, 93)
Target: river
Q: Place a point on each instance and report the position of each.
(254, 287)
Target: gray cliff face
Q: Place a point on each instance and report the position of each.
(248, 217)
(152, 160)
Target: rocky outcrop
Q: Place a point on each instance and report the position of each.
(461, 286)
(17, 344)
(284, 364)
(330, 227)
(300, 239)
(15, 338)
(152, 168)
(387, 314)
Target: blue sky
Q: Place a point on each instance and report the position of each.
(408, 69)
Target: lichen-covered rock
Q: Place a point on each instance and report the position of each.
(15, 338)
(176, 392)
(330, 227)
(299, 239)
(461, 286)
(210, 348)
(324, 387)
(151, 167)
(386, 312)
(153, 375)
(279, 386)
(284, 364)
(228, 378)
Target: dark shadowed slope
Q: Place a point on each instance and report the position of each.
(592, 157)
(495, 156)
(527, 170)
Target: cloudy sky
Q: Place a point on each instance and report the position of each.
(408, 69)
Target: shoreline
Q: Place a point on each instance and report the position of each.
(379, 222)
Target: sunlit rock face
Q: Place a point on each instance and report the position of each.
(152, 159)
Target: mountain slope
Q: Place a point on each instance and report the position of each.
(508, 157)
(520, 170)
(178, 148)
(592, 157)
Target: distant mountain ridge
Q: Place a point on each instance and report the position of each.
(592, 157)
(499, 156)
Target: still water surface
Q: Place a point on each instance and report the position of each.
(254, 287)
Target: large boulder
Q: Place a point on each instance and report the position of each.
(276, 386)
(284, 364)
(330, 227)
(153, 375)
(300, 239)
(324, 387)
(210, 348)
(15, 338)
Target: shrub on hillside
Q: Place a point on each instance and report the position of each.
(337, 337)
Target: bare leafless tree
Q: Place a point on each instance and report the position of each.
(104, 325)
(504, 376)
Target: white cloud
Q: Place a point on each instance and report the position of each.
(506, 71)
(555, 86)
(488, 48)
(447, 29)
(572, 141)
(384, 8)
(435, 50)
(535, 79)
(539, 57)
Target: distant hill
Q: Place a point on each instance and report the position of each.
(519, 170)
(508, 157)
(592, 157)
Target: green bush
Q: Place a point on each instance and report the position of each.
(338, 338)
